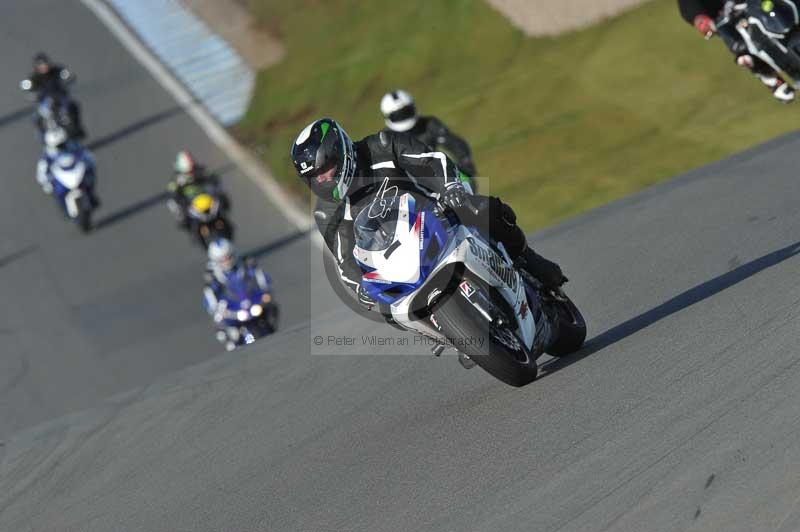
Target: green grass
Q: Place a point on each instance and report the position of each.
(558, 125)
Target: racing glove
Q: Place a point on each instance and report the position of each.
(456, 197)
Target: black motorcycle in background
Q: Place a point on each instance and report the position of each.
(55, 109)
(207, 216)
(771, 31)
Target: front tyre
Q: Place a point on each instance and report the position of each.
(496, 349)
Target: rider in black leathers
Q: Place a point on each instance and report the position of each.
(400, 115)
(50, 80)
(702, 13)
(188, 174)
(340, 172)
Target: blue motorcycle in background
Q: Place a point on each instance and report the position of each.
(246, 309)
(67, 170)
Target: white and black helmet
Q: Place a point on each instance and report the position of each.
(324, 157)
(398, 110)
(184, 163)
(221, 254)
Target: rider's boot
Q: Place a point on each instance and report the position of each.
(781, 91)
(784, 92)
(547, 272)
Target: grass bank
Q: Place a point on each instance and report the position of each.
(558, 125)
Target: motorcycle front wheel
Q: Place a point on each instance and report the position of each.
(496, 349)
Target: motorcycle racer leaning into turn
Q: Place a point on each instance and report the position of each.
(340, 171)
(187, 177)
(701, 14)
(223, 265)
(60, 150)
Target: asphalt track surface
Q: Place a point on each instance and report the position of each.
(89, 316)
(681, 413)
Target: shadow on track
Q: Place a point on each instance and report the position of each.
(134, 128)
(20, 253)
(676, 304)
(130, 210)
(15, 116)
(275, 245)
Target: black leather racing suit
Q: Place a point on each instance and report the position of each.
(433, 133)
(410, 164)
(54, 84)
(183, 187)
(712, 8)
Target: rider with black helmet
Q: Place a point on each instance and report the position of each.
(341, 172)
(49, 79)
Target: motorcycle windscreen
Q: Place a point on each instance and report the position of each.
(242, 290)
(376, 232)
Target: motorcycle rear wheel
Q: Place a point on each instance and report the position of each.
(85, 220)
(570, 328)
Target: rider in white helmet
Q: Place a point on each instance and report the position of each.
(223, 265)
(187, 181)
(61, 152)
(400, 115)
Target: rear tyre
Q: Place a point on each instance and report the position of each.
(85, 220)
(273, 316)
(570, 328)
(221, 228)
(499, 351)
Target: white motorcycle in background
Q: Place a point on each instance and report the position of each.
(444, 280)
(67, 171)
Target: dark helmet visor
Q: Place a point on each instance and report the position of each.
(409, 111)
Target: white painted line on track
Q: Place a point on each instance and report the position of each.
(246, 162)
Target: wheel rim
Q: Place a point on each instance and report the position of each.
(507, 338)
